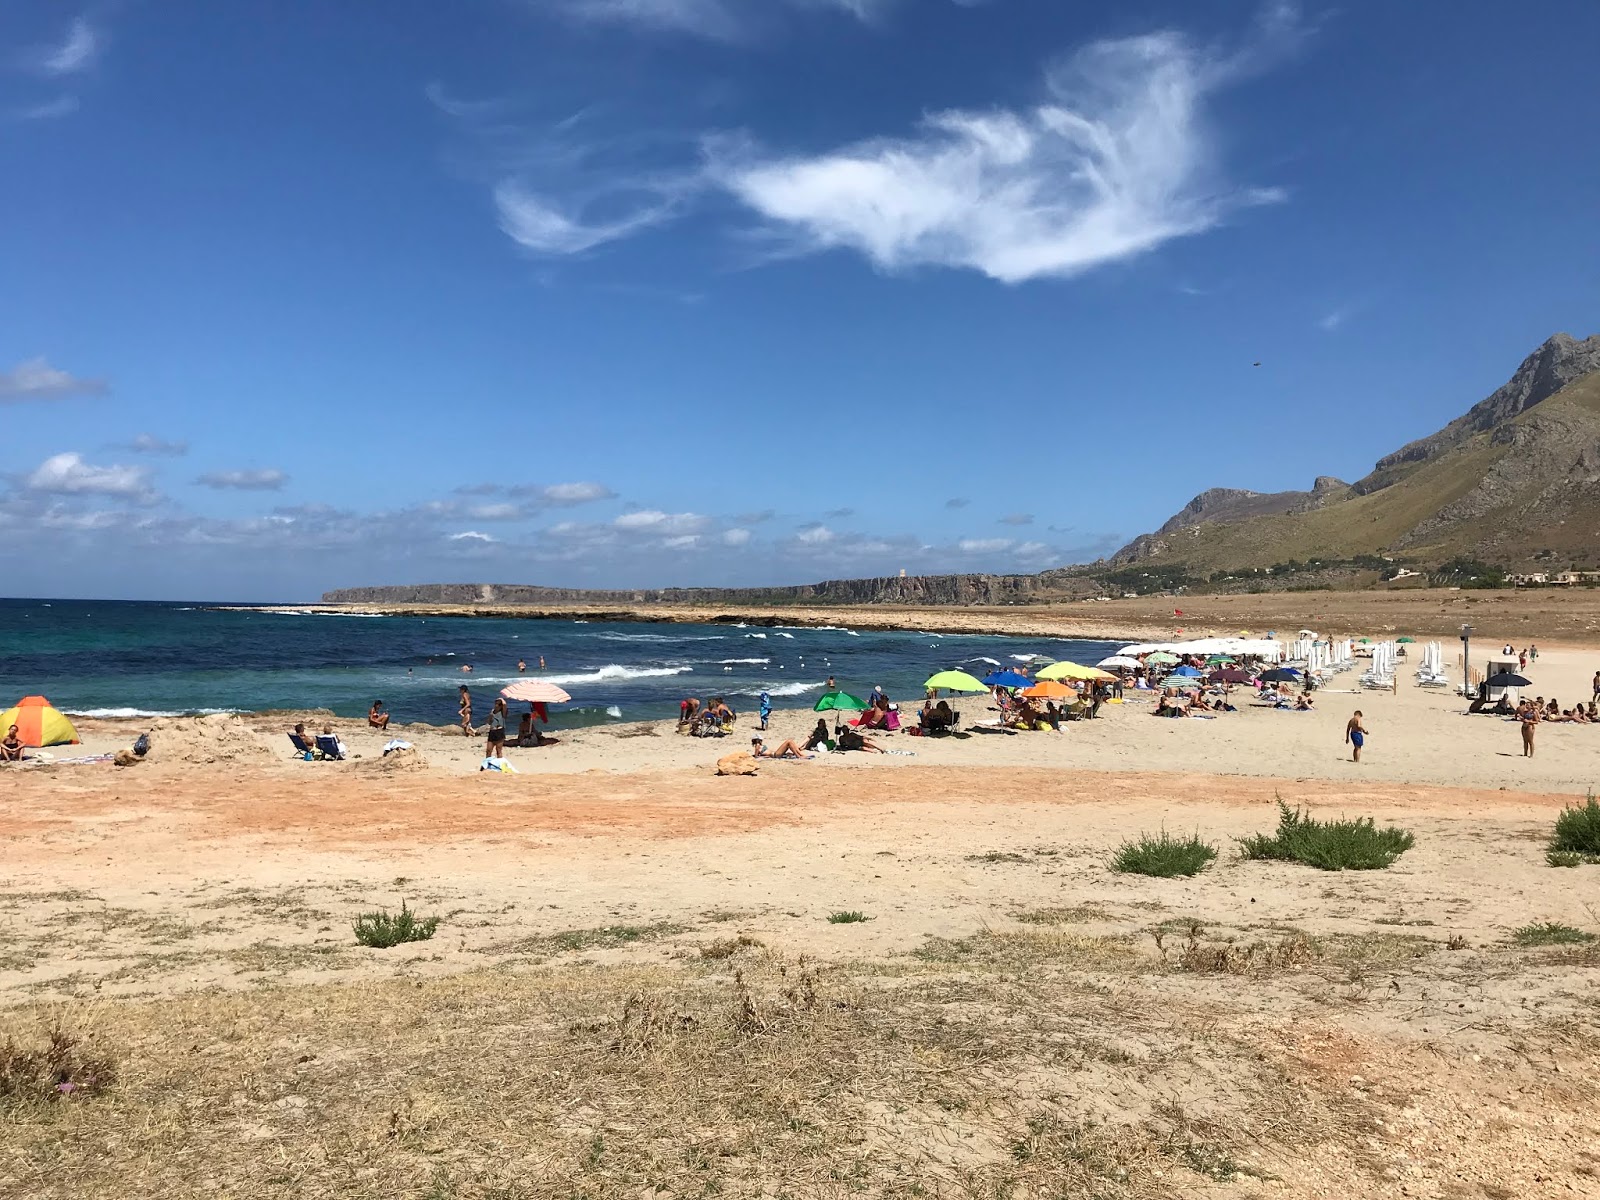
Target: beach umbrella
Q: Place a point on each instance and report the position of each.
(1188, 672)
(535, 691)
(1504, 679)
(1229, 675)
(1280, 675)
(1220, 660)
(38, 723)
(955, 681)
(1119, 660)
(1050, 689)
(1072, 670)
(1405, 639)
(1006, 679)
(843, 701)
(1160, 657)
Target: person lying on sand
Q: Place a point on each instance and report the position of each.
(850, 739)
(787, 749)
(376, 717)
(11, 747)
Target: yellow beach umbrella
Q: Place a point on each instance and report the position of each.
(1072, 670)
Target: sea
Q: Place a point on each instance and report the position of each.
(111, 658)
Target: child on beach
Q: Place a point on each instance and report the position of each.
(1355, 733)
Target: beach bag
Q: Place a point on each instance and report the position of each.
(141, 745)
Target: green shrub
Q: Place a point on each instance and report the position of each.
(847, 918)
(1549, 933)
(1164, 856)
(382, 930)
(1343, 845)
(1577, 835)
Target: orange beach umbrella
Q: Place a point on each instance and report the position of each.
(38, 723)
(1049, 689)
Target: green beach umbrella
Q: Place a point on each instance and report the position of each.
(1218, 660)
(955, 681)
(1160, 656)
(1408, 639)
(843, 701)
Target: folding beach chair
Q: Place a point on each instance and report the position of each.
(304, 749)
(328, 746)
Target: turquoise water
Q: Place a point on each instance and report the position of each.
(119, 658)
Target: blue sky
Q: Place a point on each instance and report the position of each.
(663, 292)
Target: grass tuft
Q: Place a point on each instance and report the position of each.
(57, 1069)
(380, 930)
(1163, 857)
(1343, 845)
(1550, 933)
(1576, 838)
(850, 917)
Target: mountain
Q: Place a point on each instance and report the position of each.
(1515, 479)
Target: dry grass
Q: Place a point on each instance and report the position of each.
(1019, 1063)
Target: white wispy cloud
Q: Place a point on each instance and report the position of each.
(75, 52)
(983, 545)
(264, 479)
(48, 110)
(148, 443)
(1331, 321)
(470, 535)
(654, 521)
(723, 20)
(1115, 161)
(736, 537)
(539, 224)
(36, 379)
(68, 474)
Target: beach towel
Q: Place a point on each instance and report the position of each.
(498, 764)
(394, 744)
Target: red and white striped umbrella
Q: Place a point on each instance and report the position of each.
(535, 691)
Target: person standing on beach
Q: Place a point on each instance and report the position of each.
(1597, 685)
(1355, 733)
(495, 746)
(1528, 718)
(466, 711)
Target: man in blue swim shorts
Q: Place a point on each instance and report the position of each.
(1355, 733)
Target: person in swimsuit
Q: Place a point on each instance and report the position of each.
(11, 748)
(495, 747)
(465, 711)
(522, 664)
(1355, 733)
(376, 717)
(1528, 718)
(788, 749)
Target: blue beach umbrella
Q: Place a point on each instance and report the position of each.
(1006, 679)
(1188, 672)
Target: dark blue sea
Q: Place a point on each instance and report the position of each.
(121, 658)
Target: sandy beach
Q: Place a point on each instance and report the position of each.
(1259, 1029)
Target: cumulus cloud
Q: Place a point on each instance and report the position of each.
(574, 493)
(1113, 162)
(148, 443)
(75, 52)
(69, 475)
(654, 521)
(736, 537)
(36, 379)
(983, 545)
(265, 479)
(814, 535)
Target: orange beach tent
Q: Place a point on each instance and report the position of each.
(38, 723)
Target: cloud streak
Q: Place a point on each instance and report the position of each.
(1114, 162)
(36, 379)
(720, 20)
(266, 479)
(76, 52)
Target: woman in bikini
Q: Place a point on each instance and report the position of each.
(466, 711)
(495, 746)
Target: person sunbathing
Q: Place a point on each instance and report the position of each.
(376, 717)
(850, 739)
(1303, 704)
(786, 749)
(819, 736)
(11, 747)
(873, 718)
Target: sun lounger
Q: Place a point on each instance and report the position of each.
(304, 749)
